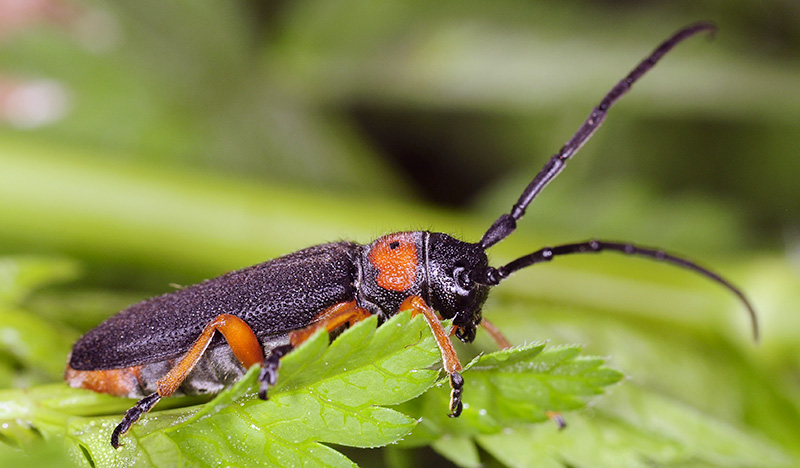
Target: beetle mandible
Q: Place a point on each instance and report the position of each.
(170, 343)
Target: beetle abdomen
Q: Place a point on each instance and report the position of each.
(217, 369)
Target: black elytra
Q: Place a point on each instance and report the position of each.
(202, 338)
(165, 327)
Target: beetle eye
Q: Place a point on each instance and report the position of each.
(462, 278)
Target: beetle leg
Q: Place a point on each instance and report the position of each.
(496, 334)
(242, 341)
(450, 360)
(330, 319)
(132, 415)
(240, 338)
(269, 369)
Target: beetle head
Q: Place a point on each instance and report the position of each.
(451, 265)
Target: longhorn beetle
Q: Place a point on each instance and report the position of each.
(170, 343)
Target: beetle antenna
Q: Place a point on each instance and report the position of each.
(492, 276)
(506, 224)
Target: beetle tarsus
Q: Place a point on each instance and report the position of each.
(558, 419)
(457, 385)
(132, 415)
(269, 369)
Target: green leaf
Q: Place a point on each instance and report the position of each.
(507, 391)
(325, 393)
(516, 386)
(640, 430)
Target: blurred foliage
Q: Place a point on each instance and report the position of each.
(148, 143)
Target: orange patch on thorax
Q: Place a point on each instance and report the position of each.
(395, 257)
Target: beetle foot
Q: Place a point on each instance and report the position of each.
(557, 418)
(269, 369)
(457, 385)
(132, 415)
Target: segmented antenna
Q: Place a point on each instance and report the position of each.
(493, 276)
(506, 223)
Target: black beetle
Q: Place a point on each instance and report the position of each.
(169, 343)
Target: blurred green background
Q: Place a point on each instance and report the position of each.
(147, 143)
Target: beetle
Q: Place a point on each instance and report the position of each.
(201, 338)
